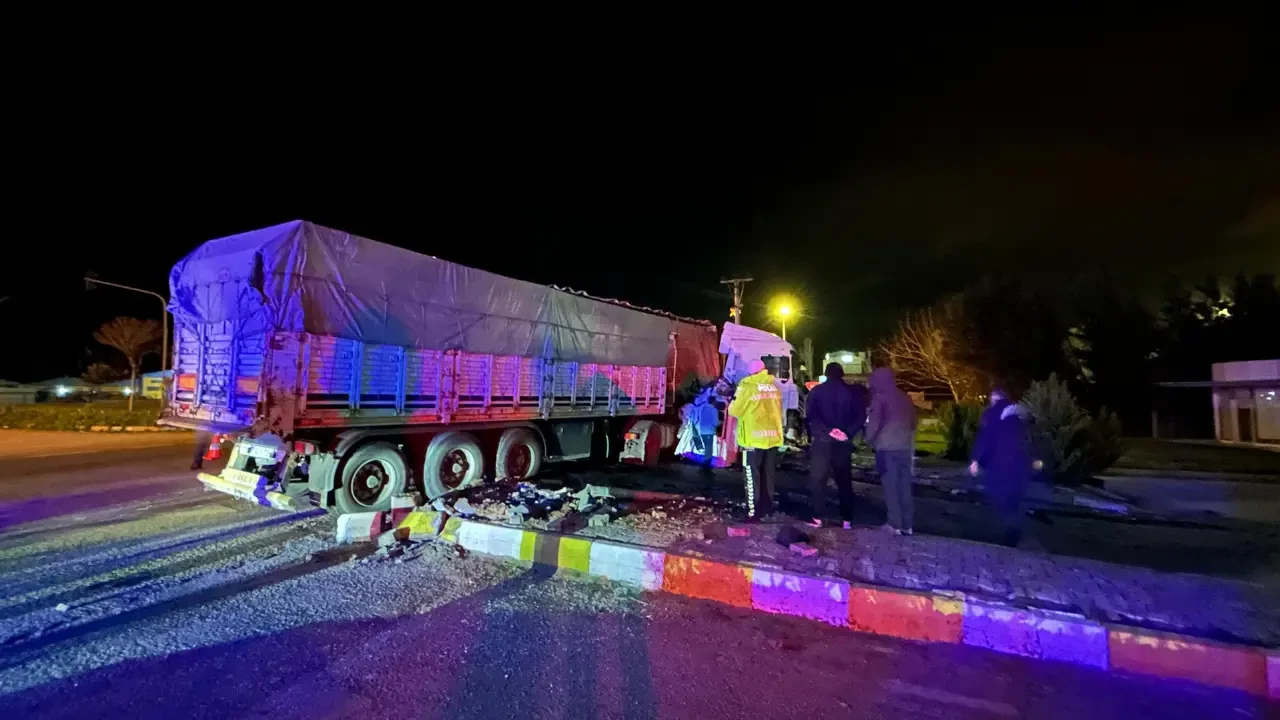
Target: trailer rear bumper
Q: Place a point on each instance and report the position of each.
(247, 486)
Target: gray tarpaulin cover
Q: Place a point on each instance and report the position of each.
(303, 277)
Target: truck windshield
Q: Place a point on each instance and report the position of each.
(778, 366)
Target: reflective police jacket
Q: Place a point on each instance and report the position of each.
(757, 405)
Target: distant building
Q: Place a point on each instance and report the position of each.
(151, 385)
(854, 363)
(63, 387)
(1245, 400)
(12, 393)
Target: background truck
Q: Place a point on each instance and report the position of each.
(349, 371)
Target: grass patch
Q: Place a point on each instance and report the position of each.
(79, 416)
(1148, 454)
(932, 442)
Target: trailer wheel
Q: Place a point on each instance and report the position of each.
(453, 461)
(371, 476)
(519, 455)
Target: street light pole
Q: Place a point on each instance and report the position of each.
(737, 285)
(784, 311)
(164, 322)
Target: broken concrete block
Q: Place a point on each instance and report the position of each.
(804, 549)
(463, 507)
(714, 531)
(422, 524)
(359, 527)
(599, 519)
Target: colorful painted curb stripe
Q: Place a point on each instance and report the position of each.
(359, 527)
(1046, 636)
(1190, 659)
(926, 617)
(913, 616)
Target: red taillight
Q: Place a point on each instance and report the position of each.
(304, 448)
(632, 436)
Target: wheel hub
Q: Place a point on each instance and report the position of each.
(368, 484)
(519, 458)
(454, 469)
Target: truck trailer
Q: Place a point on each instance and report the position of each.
(346, 371)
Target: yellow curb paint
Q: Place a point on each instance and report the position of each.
(450, 532)
(528, 545)
(575, 554)
(419, 523)
(948, 606)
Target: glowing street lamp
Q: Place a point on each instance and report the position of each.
(784, 312)
(784, 308)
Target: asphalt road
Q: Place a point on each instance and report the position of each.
(157, 600)
(45, 479)
(1258, 501)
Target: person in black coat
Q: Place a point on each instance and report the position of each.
(1002, 453)
(836, 413)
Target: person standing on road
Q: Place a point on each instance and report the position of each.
(836, 413)
(1002, 452)
(757, 406)
(891, 431)
(203, 439)
(706, 421)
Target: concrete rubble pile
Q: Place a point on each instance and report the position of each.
(560, 509)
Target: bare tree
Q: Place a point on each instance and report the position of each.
(924, 352)
(100, 373)
(133, 338)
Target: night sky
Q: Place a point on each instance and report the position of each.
(863, 172)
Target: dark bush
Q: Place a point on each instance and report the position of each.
(959, 425)
(1071, 444)
(77, 416)
(1104, 443)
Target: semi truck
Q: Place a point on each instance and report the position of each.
(346, 371)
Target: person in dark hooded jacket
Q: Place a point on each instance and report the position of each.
(1002, 453)
(836, 413)
(891, 430)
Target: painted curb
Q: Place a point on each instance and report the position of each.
(134, 428)
(1176, 656)
(359, 527)
(1035, 634)
(784, 593)
(937, 617)
(905, 614)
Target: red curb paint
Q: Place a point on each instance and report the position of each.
(906, 615)
(1178, 657)
(707, 580)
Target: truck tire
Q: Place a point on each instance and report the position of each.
(453, 461)
(519, 455)
(370, 477)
